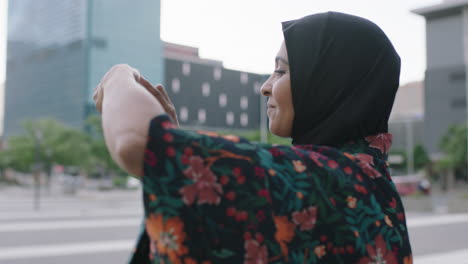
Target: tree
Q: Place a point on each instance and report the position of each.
(453, 144)
(421, 159)
(48, 142)
(100, 158)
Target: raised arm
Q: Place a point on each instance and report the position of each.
(127, 109)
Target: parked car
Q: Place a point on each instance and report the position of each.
(412, 184)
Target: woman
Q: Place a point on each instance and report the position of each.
(221, 199)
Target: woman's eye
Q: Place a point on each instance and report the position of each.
(280, 72)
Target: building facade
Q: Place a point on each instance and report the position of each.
(208, 95)
(57, 51)
(447, 59)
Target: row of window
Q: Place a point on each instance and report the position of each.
(217, 73)
(201, 117)
(206, 87)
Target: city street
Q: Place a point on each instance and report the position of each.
(101, 227)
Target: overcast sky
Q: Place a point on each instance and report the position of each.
(246, 34)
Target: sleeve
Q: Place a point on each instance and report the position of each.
(206, 190)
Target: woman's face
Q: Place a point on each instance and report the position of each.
(277, 88)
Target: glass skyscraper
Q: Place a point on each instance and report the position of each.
(58, 50)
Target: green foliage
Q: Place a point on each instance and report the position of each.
(120, 181)
(48, 142)
(421, 159)
(453, 144)
(100, 158)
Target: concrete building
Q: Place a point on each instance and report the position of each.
(208, 95)
(58, 50)
(447, 59)
(406, 122)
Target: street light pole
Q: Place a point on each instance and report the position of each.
(37, 170)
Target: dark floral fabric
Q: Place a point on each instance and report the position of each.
(220, 199)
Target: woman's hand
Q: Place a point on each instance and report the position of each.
(160, 94)
(98, 95)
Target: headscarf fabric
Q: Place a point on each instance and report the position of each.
(344, 77)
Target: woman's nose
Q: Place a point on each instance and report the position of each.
(266, 88)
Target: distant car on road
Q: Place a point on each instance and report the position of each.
(412, 184)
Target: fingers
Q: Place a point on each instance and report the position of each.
(141, 80)
(163, 91)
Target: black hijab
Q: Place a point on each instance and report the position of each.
(344, 77)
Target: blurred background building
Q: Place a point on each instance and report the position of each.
(447, 56)
(58, 50)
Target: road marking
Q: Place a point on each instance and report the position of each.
(423, 221)
(78, 224)
(72, 214)
(459, 257)
(63, 250)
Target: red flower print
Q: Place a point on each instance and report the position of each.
(393, 203)
(400, 216)
(236, 171)
(265, 194)
(378, 253)
(382, 141)
(188, 151)
(241, 216)
(332, 164)
(276, 152)
(171, 152)
(259, 172)
(168, 125)
(348, 170)
(168, 137)
(366, 162)
(260, 216)
(315, 156)
(306, 218)
(360, 188)
(241, 179)
(231, 211)
(231, 196)
(150, 157)
(350, 249)
(255, 251)
(224, 180)
(204, 188)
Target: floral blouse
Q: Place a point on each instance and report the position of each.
(211, 198)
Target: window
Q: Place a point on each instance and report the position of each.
(217, 74)
(244, 119)
(222, 100)
(257, 87)
(186, 69)
(230, 118)
(244, 77)
(458, 103)
(183, 113)
(175, 85)
(206, 89)
(244, 102)
(201, 115)
(457, 76)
